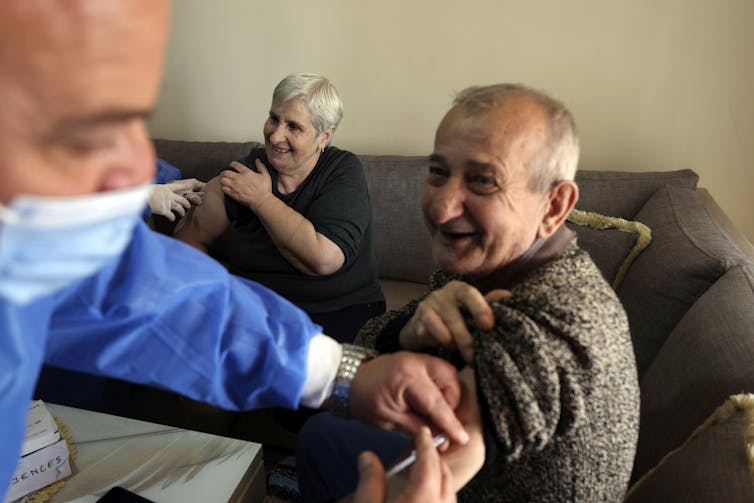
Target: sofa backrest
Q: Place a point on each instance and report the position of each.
(621, 193)
(202, 159)
(401, 240)
(395, 184)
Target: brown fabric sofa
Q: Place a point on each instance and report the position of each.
(689, 297)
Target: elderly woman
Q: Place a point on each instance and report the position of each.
(551, 400)
(298, 212)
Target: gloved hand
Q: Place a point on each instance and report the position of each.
(175, 197)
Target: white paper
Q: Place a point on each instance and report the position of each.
(41, 429)
(39, 469)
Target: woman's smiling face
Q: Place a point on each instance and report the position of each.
(290, 138)
(477, 201)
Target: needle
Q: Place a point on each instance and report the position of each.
(437, 442)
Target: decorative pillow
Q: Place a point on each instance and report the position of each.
(708, 356)
(687, 255)
(613, 251)
(716, 463)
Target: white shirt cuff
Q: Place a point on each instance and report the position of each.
(321, 367)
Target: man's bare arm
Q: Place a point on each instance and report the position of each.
(463, 460)
(467, 459)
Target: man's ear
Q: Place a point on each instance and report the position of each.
(561, 200)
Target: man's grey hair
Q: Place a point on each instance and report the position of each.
(320, 95)
(559, 158)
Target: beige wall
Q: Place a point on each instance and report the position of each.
(653, 84)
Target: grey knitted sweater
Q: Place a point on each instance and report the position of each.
(557, 386)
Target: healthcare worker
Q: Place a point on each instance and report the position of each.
(84, 283)
(170, 196)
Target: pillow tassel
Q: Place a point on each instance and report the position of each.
(602, 222)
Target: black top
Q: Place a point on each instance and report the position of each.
(334, 198)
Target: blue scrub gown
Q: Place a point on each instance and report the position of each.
(162, 314)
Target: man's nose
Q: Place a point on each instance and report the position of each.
(447, 202)
(132, 161)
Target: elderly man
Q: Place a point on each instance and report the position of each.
(542, 337)
(85, 285)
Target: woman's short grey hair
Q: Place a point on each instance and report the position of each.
(559, 158)
(320, 95)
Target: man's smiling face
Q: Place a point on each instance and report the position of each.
(478, 204)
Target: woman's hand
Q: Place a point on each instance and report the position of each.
(246, 185)
(439, 319)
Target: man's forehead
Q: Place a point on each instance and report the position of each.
(511, 115)
(499, 137)
(485, 130)
(34, 34)
(79, 57)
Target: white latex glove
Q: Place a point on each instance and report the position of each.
(175, 197)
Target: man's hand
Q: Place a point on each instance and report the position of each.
(189, 188)
(246, 185)
(405, 391)
(175, 198)
(430, 480)
(439, 319)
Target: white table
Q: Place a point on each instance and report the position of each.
(161, 463)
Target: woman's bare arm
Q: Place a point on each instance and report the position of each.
(203, 224)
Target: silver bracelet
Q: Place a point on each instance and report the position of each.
(350, 361)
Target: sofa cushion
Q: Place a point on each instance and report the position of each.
(402, 244)
(706, 358)
(622, 194)
(688, 253)
(613, 243)
(714, 464)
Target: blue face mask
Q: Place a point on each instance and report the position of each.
(48, 243)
